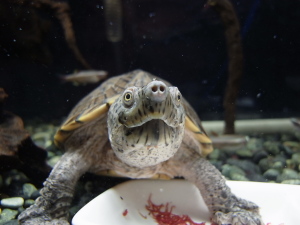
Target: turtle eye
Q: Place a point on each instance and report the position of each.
(128, 98)
(178, 97)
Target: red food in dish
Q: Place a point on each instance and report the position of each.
(125, 212)
(163, 215)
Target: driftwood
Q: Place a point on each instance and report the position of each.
(17, 150)
(12, 131)
(235, 59)
(61, 10)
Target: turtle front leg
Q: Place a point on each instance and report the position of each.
(224, 206)
(56, 195)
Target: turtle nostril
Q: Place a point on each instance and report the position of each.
(154, 88)
(162, 88)
(156, 91)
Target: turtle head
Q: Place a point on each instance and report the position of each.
(146, 124)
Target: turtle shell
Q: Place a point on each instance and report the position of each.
(97, 103)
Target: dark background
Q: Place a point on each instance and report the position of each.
(181, 41)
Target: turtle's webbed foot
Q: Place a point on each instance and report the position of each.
(242, 217)
(243, 212)
(36, 214)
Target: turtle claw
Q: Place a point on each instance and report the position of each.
(242, 217)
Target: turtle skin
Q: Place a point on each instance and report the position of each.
(85, 138)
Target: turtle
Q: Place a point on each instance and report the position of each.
(136, 125)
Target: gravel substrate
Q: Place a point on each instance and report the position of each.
(265, 158)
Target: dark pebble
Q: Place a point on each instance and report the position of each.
(266, 163)
(272, 147)
(256, 177)
(259, 155)
(287, 150)
(280, 158)
(287, 174)
(246, 165)
(271, 174)
(217, 164)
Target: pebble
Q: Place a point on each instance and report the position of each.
(287, 150)
(28, 189)
(28, 202)
(290, 164)
(21, 209)
(286, 137)
(244, 153)
(11, 222)
(226, 170)
(272, 147)
(294, 182)
(43, 136)
(35, 194)
(50, 154)
(214, 155)
(239, 177)
(52, 161)
(73, 210)
(297, 135)
(233, 172)
(15, 176)
(296, 158)
(89, 186)
(280, 158)
(217, 164)
(294, 146)
(246, 165)
(278, 166)
(266, 163)
(7, 215)
(254, 144)
(287, 174)
(271, 174)
(256, 177)
(13, 203)
(258, 155)
(48, 144)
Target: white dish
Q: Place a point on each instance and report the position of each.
(280, 203)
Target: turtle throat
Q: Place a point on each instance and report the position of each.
(149, 144)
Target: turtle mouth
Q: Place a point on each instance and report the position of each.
(150, 133)
(171, 120)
